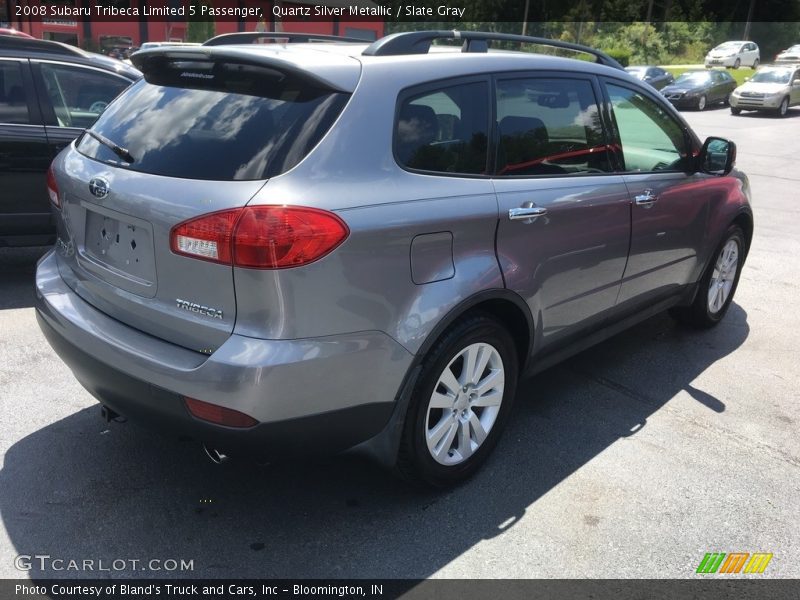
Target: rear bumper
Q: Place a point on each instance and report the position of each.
(310, 396)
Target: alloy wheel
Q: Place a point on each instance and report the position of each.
(701, 103)
(723, 277)
(464, 404)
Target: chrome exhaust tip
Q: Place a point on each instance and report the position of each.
(215, 455)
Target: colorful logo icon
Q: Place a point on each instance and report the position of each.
(735, 562)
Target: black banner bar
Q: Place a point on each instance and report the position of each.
(712, 588)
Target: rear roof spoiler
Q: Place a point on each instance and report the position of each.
(419, 42)
(335, 73)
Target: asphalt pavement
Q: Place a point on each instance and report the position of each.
(632, 459)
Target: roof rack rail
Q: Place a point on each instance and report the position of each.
(419, 42)
(51, 47)
(248, 37)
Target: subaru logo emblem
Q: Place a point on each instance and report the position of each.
(99, 187)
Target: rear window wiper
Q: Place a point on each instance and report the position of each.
(118, 150)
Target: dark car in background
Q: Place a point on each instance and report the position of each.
(49, 93)
(699, 89)
(655, 76)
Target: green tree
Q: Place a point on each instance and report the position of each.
(199, 31)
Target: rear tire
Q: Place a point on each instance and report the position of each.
(755, 64)
(460, 403)
(718, 284)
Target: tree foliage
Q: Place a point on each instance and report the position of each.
(678, 31)
(199, 31)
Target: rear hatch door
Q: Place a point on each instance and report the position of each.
(200, 134)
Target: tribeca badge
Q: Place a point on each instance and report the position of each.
(735, 562)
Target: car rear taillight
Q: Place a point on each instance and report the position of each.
(52, 187)
(218, 414)
(260, 237)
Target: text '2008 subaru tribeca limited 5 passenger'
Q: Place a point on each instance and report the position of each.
(294, 248)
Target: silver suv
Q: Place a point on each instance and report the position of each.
(295, 248)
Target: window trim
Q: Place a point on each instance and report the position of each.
(438, 85)
(545, 74)
(690, 139)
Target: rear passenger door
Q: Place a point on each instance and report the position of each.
(562, 238)
(24, 156)
(669, 206)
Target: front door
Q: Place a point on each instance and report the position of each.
(669, 207)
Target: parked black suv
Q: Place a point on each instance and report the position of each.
(49, 93)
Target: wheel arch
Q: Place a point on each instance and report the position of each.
(504, 305)
(745, 221)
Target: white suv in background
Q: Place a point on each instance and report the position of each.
(734, 54)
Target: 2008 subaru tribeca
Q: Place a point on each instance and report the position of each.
(311, 245)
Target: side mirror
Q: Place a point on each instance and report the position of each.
(717, 156)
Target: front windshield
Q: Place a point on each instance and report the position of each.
(793, 49)
(772, 77)
(728, 47)
(695, 77)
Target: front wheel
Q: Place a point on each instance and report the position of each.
(460, 403)
(737, 64)
(718, 284)
(701, 102)
(783, 108)
(735, 111)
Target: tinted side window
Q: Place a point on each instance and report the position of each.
(444, 130)
(79, 95)
(13, 105)
(549, 127)
(651, 139)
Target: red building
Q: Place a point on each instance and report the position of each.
(102, 33)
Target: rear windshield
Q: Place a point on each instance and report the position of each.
(197, 131)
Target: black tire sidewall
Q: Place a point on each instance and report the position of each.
(469, 331)
(702, 102)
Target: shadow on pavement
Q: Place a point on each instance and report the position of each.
(80, 489)
(17, 269)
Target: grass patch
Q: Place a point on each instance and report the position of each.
(738, 74)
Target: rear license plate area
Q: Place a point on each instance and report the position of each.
(121, 249)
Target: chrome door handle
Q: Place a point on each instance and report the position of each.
(526, 212)
(646, 199)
